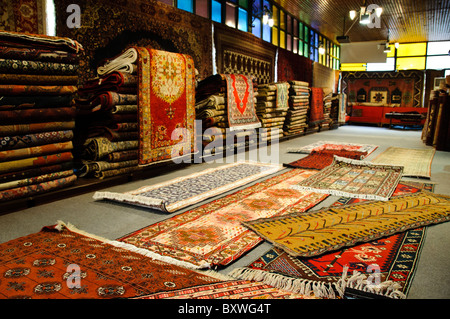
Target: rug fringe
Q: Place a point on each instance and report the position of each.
(135, 199)
(147, 253)
(320, 289)
(294, 285)
(359, 281)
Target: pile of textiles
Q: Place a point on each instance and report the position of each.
(107, 119)
(327, 123)
(38, 79)
(296, 118)
(316, 110)
(271, 108)
(211, 107)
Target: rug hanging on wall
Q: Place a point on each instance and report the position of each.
(40, 265)
(212, 235)
(316, 115)
(395, 257)
(416, 162)
(240, 102)
(333, 145)
(330, 229)
(354, 178)
(188, 190)
(166, 111)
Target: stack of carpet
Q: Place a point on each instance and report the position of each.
(107, 120)
(271, 108)
(211, 108)
(316, 110)
(296, 117)
(38, 78)
(328, 122)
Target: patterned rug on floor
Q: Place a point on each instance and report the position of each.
(416, 162)
(44, 265)
(166, 110)
(212, 235)
(329, 229)
(241, 110)
(235, 289)
(354, 178)
(394, 258)
(323, 158)
(188, 190)
(333, 145)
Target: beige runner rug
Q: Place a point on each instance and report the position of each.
(416, 162)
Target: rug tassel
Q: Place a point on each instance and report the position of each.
(294, 285)
(359, 281)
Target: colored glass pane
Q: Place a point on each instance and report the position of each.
(438, 62)
(411, 49)
(416, 63)
(216, 11)
(242, 20)
(441, 47)
(201, 8)
(353, 67)
(187, 5)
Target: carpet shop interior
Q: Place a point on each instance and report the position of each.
(224, 149)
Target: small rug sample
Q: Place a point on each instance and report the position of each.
(188, 190)
(330, 229)
(43, 265)
(333, 145)
(240, 102)
(395, 258)
(416, 162)
(166, 91)
(234, 289)
(354, 178)
(323, 158)
(282, 95)
(212, 235)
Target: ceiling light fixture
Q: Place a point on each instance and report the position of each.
(365, 13)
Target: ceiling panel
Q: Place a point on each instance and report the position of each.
(407, 20)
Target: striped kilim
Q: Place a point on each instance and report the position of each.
(416, 162)
(314, 233)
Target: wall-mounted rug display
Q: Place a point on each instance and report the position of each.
(354, 178)
(333, 145)
(188, 190)
(416, 162)
(212, 234)
(40, 266)
(330, 229)
(166, 103)
(240, 102)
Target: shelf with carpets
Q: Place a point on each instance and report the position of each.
(38, 80)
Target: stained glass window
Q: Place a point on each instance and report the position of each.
(216, 11)
(415, 63)
(187, 5)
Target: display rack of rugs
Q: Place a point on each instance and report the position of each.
(296, 117)
(436, 131)
(316, 110)
(135, 115)
(38, 79)
(271, 108)
(107, 124)
(328, 122)
(225, 103)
